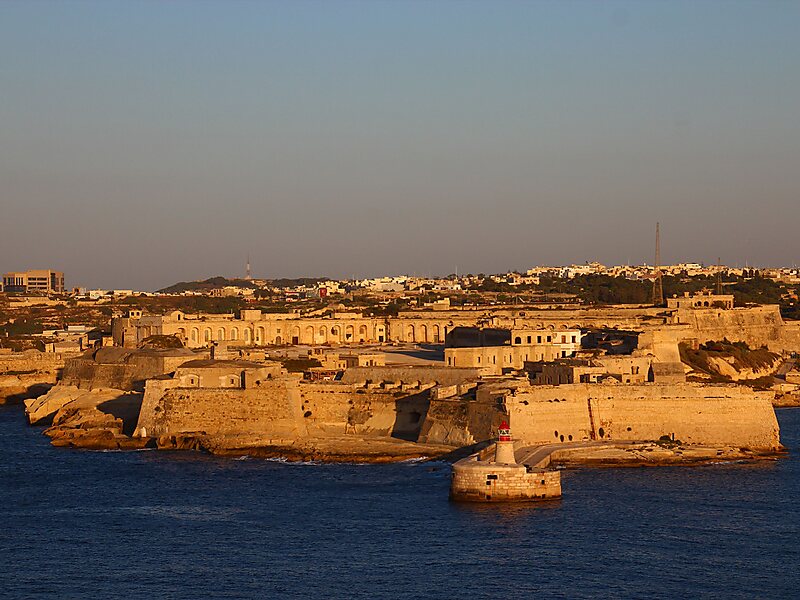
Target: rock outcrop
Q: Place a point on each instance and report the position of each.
(93, 419)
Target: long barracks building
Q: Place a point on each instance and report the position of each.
(691, 321)
(252, 327)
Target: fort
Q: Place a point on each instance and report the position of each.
(585, 386)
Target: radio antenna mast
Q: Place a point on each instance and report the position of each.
(658, 284)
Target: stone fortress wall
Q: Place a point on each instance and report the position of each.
(270, 411)
(719, 415)
(32, 360)
(120, 369)
(757, 326)
(402, 374)
(285, 410)
(695, 414)
(28, 374)
(437, 405)
(282, 408)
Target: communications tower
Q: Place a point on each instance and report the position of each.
(658, 284)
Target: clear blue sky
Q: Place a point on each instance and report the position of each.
(147, 142)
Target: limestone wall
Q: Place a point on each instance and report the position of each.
(456, 422)
(693, 413)
(271, 411)
(25, 375)
(339, 409)
(790, 335)
(423, 375)
(282, 407)
(32, 360)
(85, 372)
(756, 326)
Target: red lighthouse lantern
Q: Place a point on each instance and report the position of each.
(505, 432)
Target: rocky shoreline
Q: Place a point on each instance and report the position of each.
(655, 454)
(786, 401)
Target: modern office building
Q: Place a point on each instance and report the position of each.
(34, 281)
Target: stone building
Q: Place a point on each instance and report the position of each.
(508, 349)
(624, 369)
(209, 373)
(701, 300)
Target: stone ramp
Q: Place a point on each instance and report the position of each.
(538, 457)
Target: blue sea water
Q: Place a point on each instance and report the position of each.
(78, 524)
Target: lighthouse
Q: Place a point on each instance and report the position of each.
(504, 449)
(478, 478)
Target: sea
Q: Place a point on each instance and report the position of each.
(155, 524)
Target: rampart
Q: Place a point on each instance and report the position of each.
(125, 370)
(342, 409)
(757, 326)
(421, 374)
(25, 375)
(282, 405)
(270, 412)
(699, 414)
(31, 361)
(725, 415)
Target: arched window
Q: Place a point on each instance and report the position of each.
(517, 340)
(207, 335)
(195, 334)
(235, 333)
(220, 334)
(247, 335)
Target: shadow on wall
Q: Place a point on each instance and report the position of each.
(425, 352)
(410, 413)
(125, 407)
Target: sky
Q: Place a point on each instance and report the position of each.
(144, 143)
